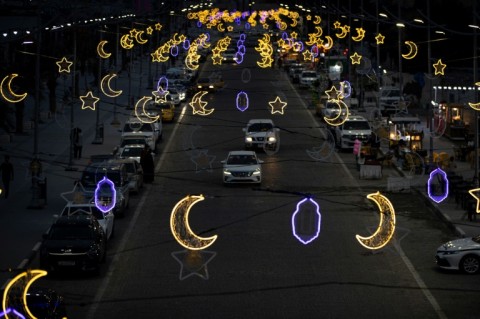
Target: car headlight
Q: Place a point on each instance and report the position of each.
(210, 86)
(248, 139)
(271, 139)
(199, 86)
(227, 172)
(257, 171)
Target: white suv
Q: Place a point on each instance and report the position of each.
(261, 133)
(151, 131)
(355, 127)
(307, 78)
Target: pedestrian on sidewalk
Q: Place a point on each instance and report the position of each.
(146, 160)
(77, 142)
(6, 169)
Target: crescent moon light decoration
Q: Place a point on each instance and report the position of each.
(305, 221)
(198, 105)
(412, 52)
(101, 51)
(5, 85)
(360, 35)
(386, 227)
(475, 106)
(30, 277)
(102, 205)
(143, 116)
(438, 198)
(106, 88)
(180, 227)
(341, 116)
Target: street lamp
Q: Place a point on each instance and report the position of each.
(475, 27)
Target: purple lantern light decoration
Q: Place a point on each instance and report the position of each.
(306, 228)
(102, 206)
(443, 175)
(242, 100)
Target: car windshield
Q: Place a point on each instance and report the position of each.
(135, 127)
(86, 210)
(71, 232)
(130, 141)
(260, 127)
(91, 178)
(356, 125)
(242, 160)
(476, 239)
(131, 152)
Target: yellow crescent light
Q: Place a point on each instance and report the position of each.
(106, 88)
(180, 227)
(317, 20)
(360, 35)
(220, 27)
(342, 115)
(386, 227)
(6, 85)
(189, 63)
(476, 107)
(36, 273)
(412, 52)
(139, 39)
(343, 32)
(143, 116)
(101, 51)
(126, 42)
(329, 44)
(198, 105)
(266, 62)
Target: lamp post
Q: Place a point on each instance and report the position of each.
(475, 27)
(70, 102)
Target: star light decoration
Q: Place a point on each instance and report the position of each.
(277, 106)
(77, 195)
(439, 67)
(380, 38)
(89, 101)
(193, 263)
(64, 65)
(203, 161)
(355, 58)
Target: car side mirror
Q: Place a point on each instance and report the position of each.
(223, 162)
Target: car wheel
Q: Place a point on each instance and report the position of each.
(470, 264)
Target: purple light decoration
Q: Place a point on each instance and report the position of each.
(239, 43)
(174, 50)
(241, 49)
(237, 21)
(346, 87)
(208, 36)
(186, 44)
(307, 238)
(100, 205)
(199, 24)
(285, 36)
(247, 26)
(314, 51)
(437, 198)
(239, 57)
(301, 46)
(162, 88)
(11, 310)
(242, 100)
(243, 36)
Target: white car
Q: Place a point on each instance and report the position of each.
(134, 173)
(132, 151)
(354, 128)
(308, 78)
(261, 133)
(242, 167)
(136, 128)
(460, 254)
(106, 220)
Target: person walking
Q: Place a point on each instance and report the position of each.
(6, 169)
(77, 142)
(146, 160)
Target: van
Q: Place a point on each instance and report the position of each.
(114, 171)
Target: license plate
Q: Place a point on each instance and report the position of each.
(66, 263)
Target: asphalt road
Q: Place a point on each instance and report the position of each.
(256, 268)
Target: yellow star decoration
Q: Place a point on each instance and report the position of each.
(265, 26)
(216, 51)
(309, 17)
(149, 30)
(355, 58)
(89, 101)
(337, 25)
(294, 35)
(134, 32)
(439, 67)
(64, 65)
(333, 93)
(158, 26)
(277, 105)
(217, 59)
(307, 55)
(230, 28)
(472, 191)
(160, 97)
(380, 38)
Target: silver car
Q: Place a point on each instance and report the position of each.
(242, 167)
(460, 254)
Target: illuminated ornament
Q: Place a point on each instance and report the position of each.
(12, 311)
(345, 89)
(309, 17)
(149, 30)
(341, 116)
(162, 85)
(443, 183)
(101, 51)
(294, 35)
(239, 57)
(189, 63)
(380, 38)
(306, 221)
(126, 42)
(412, 52)
(174, 50)
(475, 106)
(198, 105)
(203, 161)
(242, 101)
(230, 28)
(142, 114)
(439, 67)
(333, 93)
(343, 33)
(220, 27)
(386, 226)
(329, 43)
(317, 20)
(89, 101)
(160, 97)
(360, 35)
(139, 38)
(7, 92)
(277, 105)
(473, 192)
(193, 263)
(158, 26)
(307, 55)
(105, 203)
(186, 44)
(180, 227)
(64, 65)
(24, 280)
(355, 58)
(106, 88)
(217, 59)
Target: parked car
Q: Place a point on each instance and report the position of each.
(460, 254)
(133, 151)
(129, 140)
(117, 173)
(88, 207)
(242, 167)
(135, 173)
(209, 84)
(261, 133)
(151, 131)
(308, 78)
(355, 127)
(77, 242)
(229, 56)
